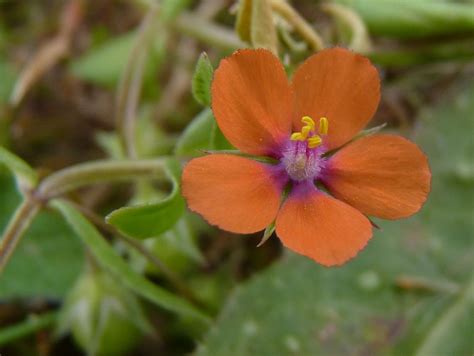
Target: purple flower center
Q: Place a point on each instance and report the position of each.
(301, 162)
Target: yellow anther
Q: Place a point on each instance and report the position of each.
(297, 136)
(309, 122)
(323, 126)
(305, 130)
(314, 141)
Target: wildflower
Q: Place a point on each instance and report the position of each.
(331, 98)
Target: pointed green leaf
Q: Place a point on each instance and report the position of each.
(150, 220)
(202, 78)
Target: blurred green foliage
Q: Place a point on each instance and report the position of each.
(47, 260)
(410, 292)
(105, 318)
(105, 63)
(414, 18)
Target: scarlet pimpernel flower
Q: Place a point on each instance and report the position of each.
(307, 127)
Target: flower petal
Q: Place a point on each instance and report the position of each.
(252, 101)
(385, 176)
(234, 193)
(340, 85)
(321, 227)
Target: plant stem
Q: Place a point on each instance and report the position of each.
(18, 224)
(168, 273)
(129, 89)
(30, 325)
(98, 171)
(208, 32)
(299, 23)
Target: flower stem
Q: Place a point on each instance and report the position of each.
(18, 224)
(98, 171)
(172, 277)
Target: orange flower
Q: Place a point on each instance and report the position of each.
(331, 98)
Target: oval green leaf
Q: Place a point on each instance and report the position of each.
(150, 220)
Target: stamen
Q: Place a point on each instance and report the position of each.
(307, 131)
(323, 126)
(297, 136)
(309, 122)
(314, 141)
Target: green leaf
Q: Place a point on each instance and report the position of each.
(200, 135)
(24, 174)
(197, 135)
(218, 140)
(109, 260)
(47, 260)
(105, 63)
(307, 309)
(202, 78)
(177, 248)
(414, 18)
(151, 220)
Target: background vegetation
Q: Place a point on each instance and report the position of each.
(107, 99)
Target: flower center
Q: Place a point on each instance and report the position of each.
(302, 157)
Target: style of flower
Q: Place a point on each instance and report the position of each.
(324, 183)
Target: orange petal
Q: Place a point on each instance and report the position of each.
(321, 227)
(234, 193)
(252, 101)
(382, 175)
(340, 85)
